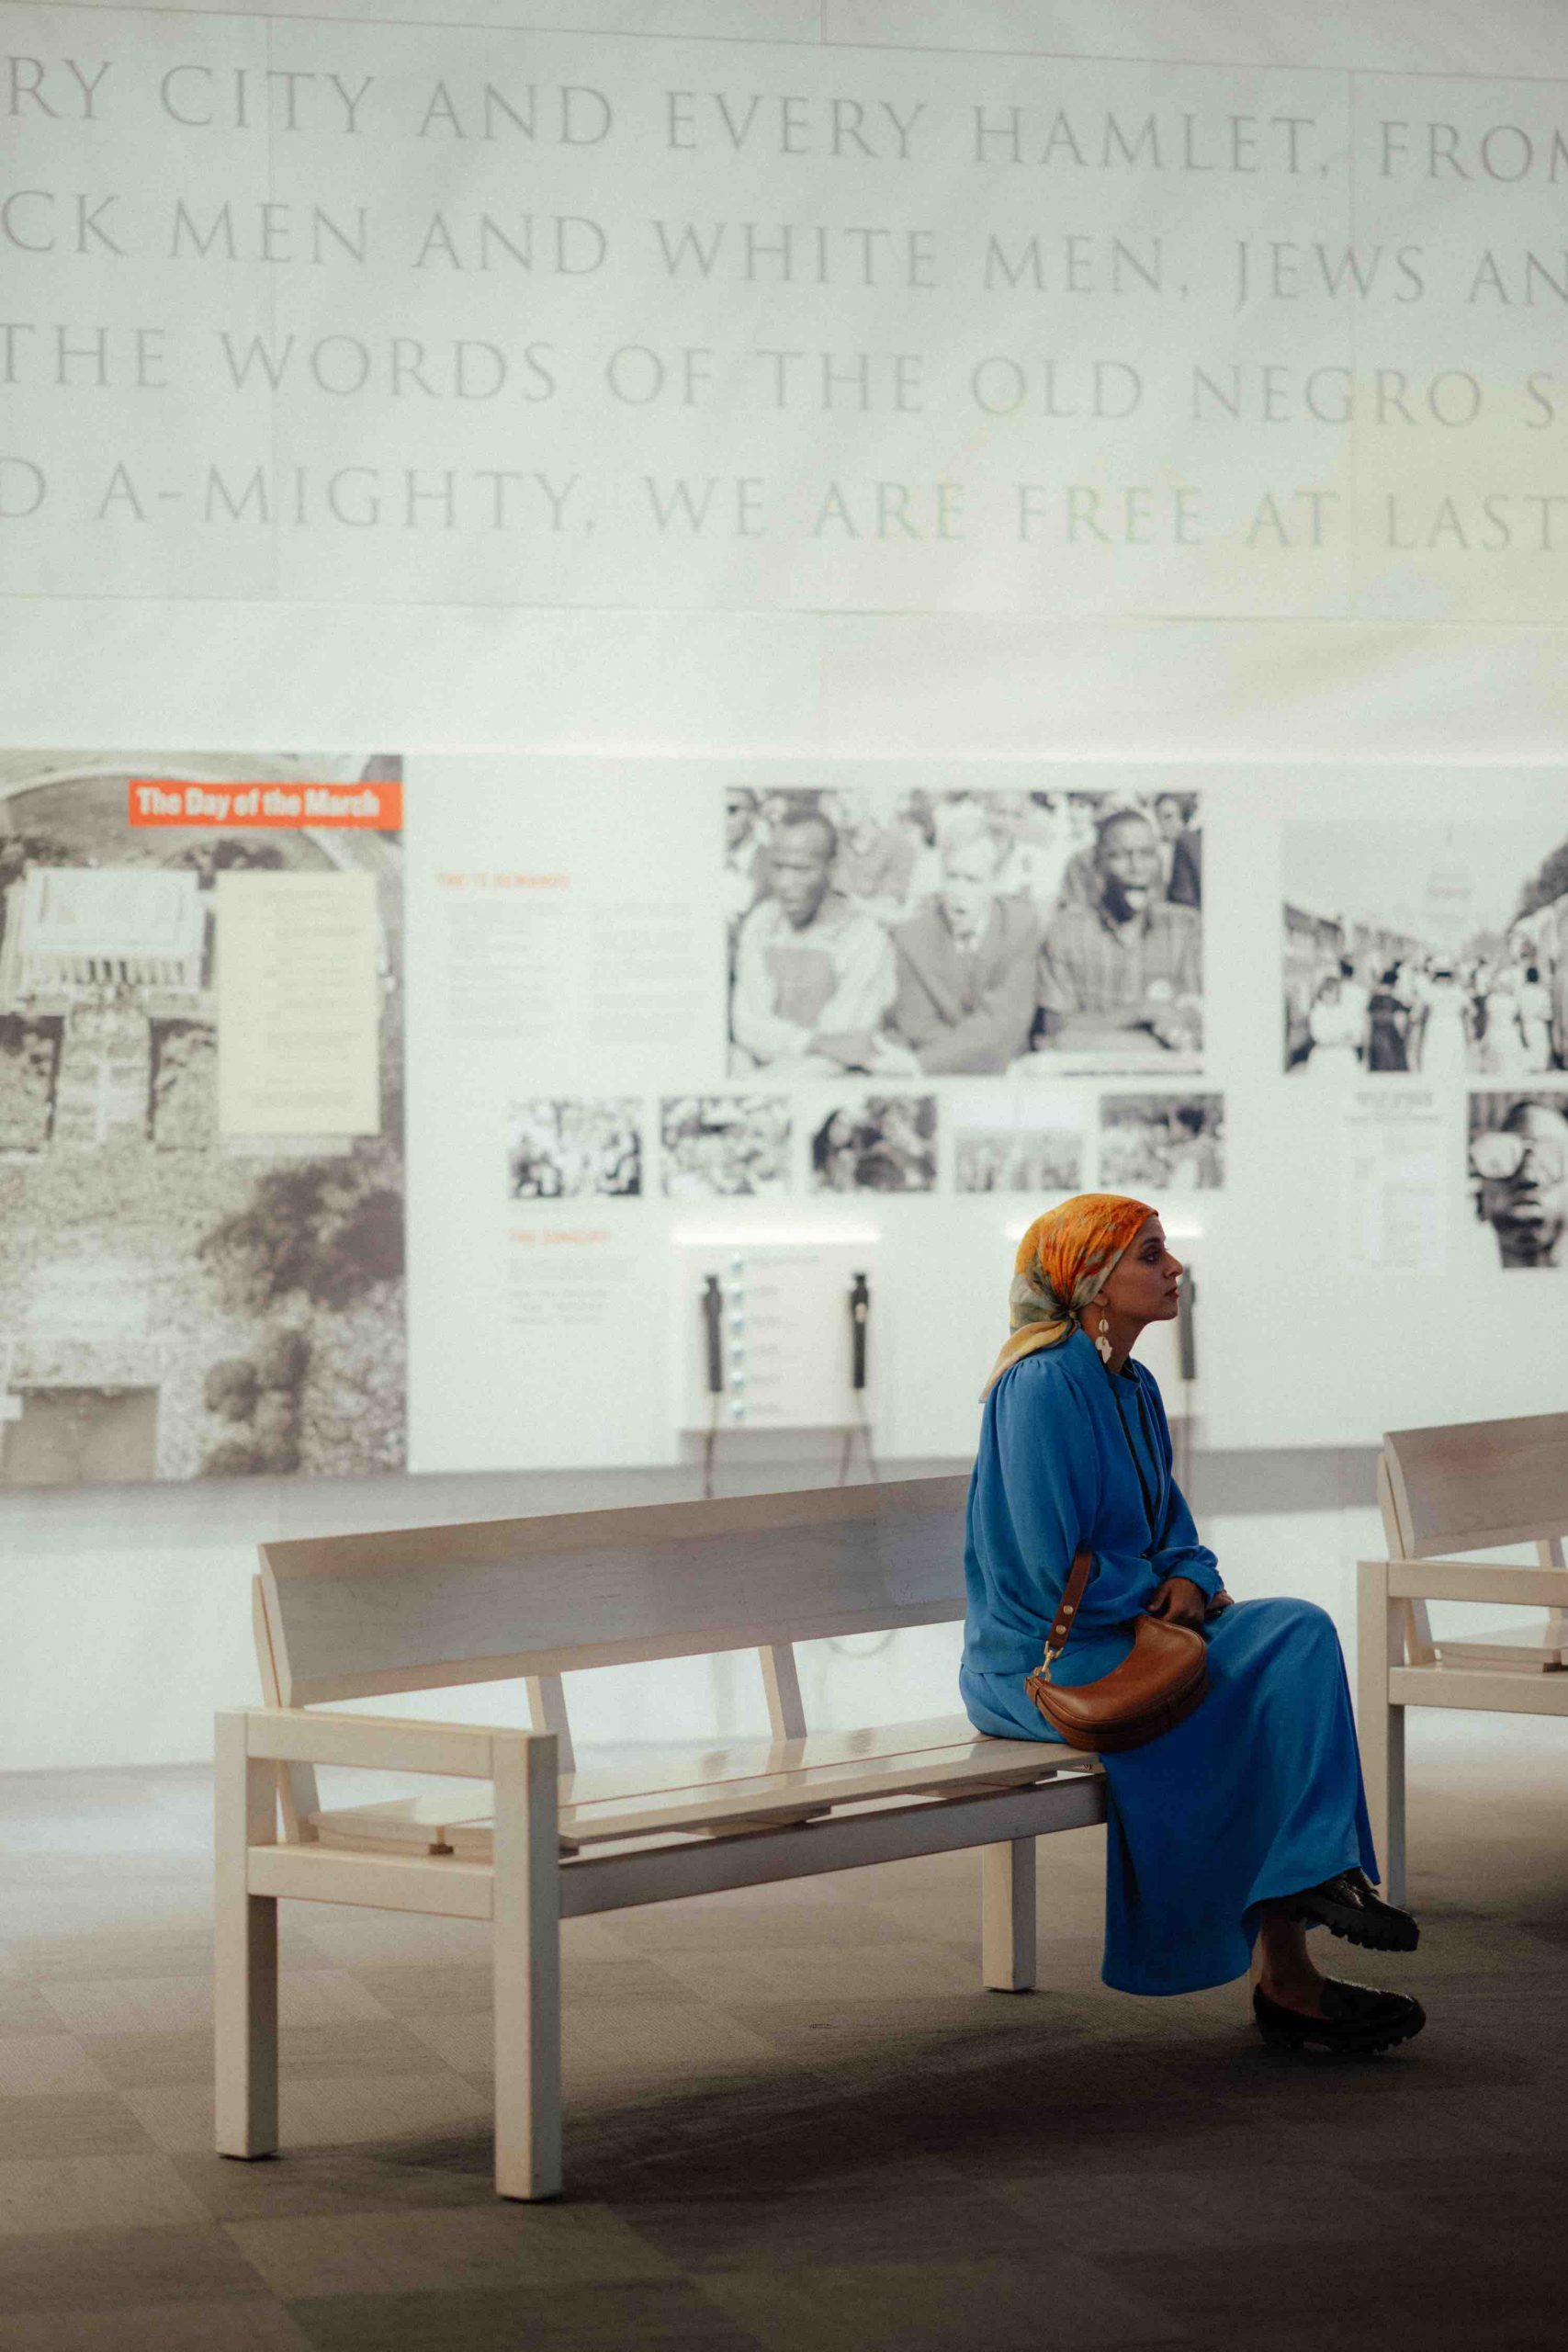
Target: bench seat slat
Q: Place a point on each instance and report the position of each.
(987, 1764)
(421, 1825)
(1500, 1690)
(422, 1822)
(685, 1778)
(1528, 1648)
(714, 1762)
(406, 1826)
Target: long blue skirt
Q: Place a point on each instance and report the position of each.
(1257, 1795)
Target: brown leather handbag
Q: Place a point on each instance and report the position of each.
(1155, 1687)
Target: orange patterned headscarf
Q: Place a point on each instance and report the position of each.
(1062, 1264)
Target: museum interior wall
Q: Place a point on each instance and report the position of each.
(564, 586)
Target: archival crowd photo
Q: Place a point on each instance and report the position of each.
(976, 929)
(1427, 948)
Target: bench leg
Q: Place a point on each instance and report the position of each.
(1007, 1917)
(1392, 1851)
(1381, 1728)
(244, 1992)
(527, 1970)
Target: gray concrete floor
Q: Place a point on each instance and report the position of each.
(795, 2121)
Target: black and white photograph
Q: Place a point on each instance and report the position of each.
(1518, 1173)
(574, 1149)
(1435, 949)
(1017, 1160)
(724, 1146)
(1009, 1138)
(1172, 1143)
(906, 933)
(183, 1295)
(885, 1143)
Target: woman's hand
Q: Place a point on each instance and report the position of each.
(1179, 1602)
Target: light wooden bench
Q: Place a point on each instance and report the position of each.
(362, 1616)
(1452, 1490)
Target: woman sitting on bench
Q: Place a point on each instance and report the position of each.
(1246, 1820)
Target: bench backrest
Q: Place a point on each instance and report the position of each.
(495, 1600)
(1471, 1486)
(423, 1608)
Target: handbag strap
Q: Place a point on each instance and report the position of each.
(1072, 1598)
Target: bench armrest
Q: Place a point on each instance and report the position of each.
(376, 1743)
(1487, 1580)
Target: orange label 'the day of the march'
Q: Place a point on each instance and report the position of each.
(377, 808)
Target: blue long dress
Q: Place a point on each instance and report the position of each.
(1259, 1793)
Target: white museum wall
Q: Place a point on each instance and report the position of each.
(127, 1615)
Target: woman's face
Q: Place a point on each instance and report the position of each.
(1144, 1284)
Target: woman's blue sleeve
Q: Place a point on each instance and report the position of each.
(1051, 1472)
(1179, 1552)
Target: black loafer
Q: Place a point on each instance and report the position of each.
(1358, 2020)
(1347, 1905)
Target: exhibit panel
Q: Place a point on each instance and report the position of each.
(669, 1015)
(1414, 915)
(885, 993)
(201, 1161)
